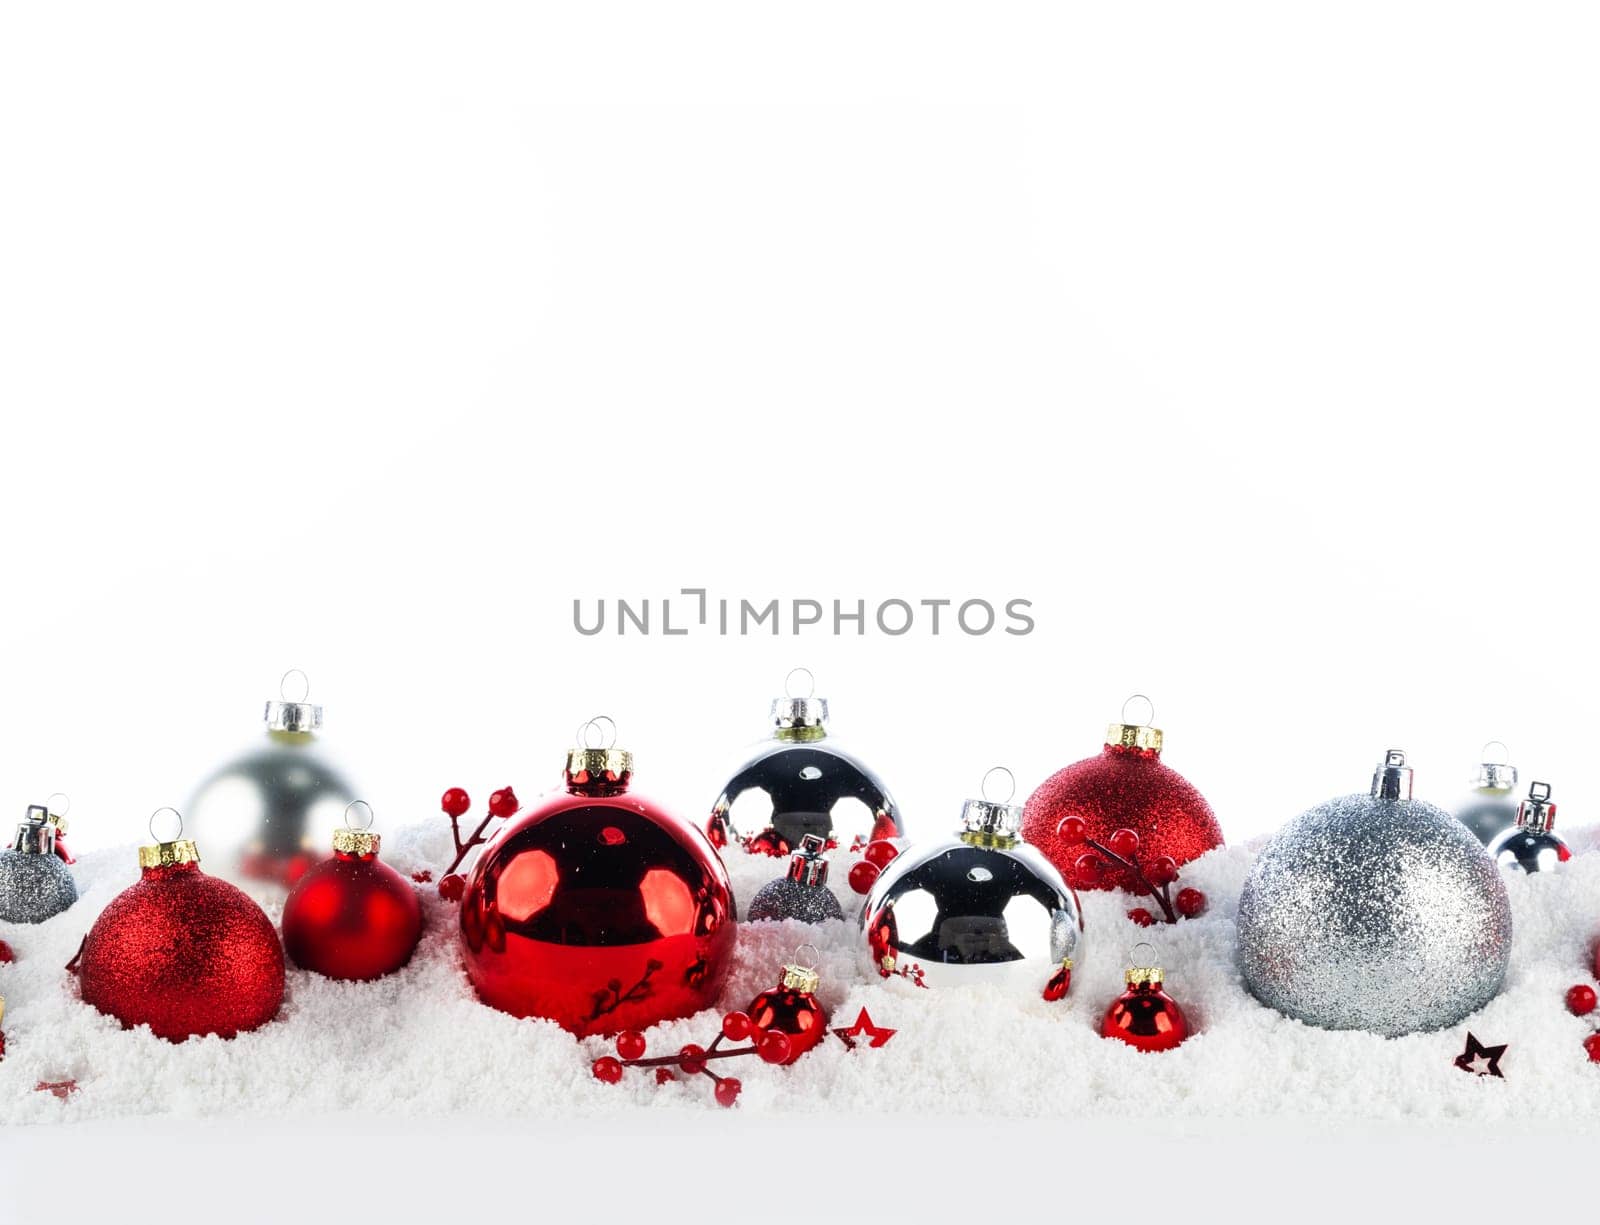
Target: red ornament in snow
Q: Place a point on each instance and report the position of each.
(1125, 787)
(790, 1009)
(352, 916)
(1145, 1016)
(598, 909)
(182, 952)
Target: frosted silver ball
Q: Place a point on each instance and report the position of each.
(954, 914)
(34, 887)
(1382, 914)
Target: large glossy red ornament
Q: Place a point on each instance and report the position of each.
(182, 952)
(1144, 1016)
(352, 916)
(598, 909)
(791, 1008)
(1127, 786)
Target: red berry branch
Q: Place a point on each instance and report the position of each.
(771, 1045)
(455, 802)
(1122, 849)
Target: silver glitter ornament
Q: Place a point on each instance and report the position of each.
(1375, 912)
(982, 907)
(1531, 845)
(34, 882)
(1491, 807)
(800, 782)
(263, 816)
(802, 893)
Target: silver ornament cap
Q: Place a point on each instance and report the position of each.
(1376, 912)
(1489, 809)
(800, 713)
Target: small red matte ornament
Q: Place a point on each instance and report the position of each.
(1125, 788)
(1144, 1016)
(182, 952)
(597, 909)
(352, 916)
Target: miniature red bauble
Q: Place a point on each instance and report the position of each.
(352, 916)
(790, 1008)
(597, 909)
(1144, 1016)
(1125, 787)
(182, 952)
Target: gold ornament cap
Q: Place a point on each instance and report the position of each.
(1125, 735)
(167, 854)
(799, 978)
(349, 841)
(597, 759)
(2, 1008)
(1151, 975)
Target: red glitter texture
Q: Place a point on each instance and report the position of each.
(1122, 788)
(352, 917)
(184, 953)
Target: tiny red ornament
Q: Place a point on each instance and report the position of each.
(352, 916)
(1581, 1000)
(182, 952)
(789, 1011)
(1125, 788)
(598, 909)
(1145, 1016)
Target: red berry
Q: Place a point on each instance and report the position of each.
(1190, 903)
(1088, 867)
(1124, 842)
(630, 1044)
(773, 1046)
(727, 1090)
(736, 1027)
(879, 853)
(692, 1059)
(1592, 1045)
(607, 1069)
(503, 802)
(452, 887)
(1580, 1000)
(455, 802)
(1141, 916)
(1072, 829)
(863, 875)
(1163, 870)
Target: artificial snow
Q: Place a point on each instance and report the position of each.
(418, 1043)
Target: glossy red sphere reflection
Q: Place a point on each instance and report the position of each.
(600, 911)
(1147, 1018)
(352, 917)
(795, 1014)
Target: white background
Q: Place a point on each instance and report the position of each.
(1255, 344)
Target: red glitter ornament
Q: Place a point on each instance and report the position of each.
(182, 952)
(1126, 787)
(789, 1010)
(352, 916)
(1144, 1016)
(597, 909)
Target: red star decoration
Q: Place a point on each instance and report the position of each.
(1476, 1051)
(60, 1088)
(876, 1035)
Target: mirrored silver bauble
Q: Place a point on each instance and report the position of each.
(800, 782)
(265, 816)
(34, 882)
(983, 907)
(1531, 844)
(1376, 912)
(1491, 806)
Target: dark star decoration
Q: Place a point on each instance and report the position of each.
(876, 1035)
(1468, 1060)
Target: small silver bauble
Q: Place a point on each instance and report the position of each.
(982, 907)
(800, 782)
(1491, 807)
(1375, 912)
(263, 815)
(1531, 845)
(802, 893)
(34, 882)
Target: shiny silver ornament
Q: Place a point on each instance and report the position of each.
(982, 907)
(1531, 845)
(1491, 806)
(1375, 912)
(264, 815)
(801, 893)
(34, 882)
(800, 782)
